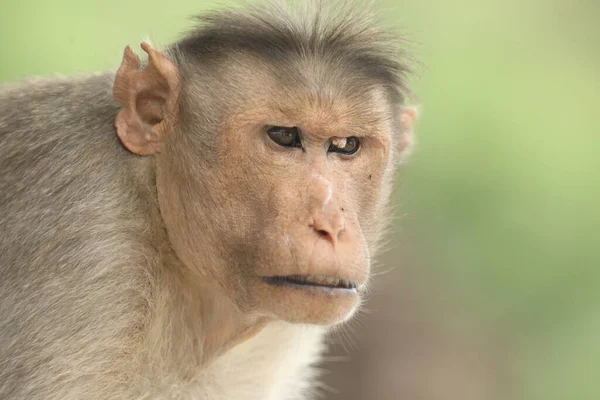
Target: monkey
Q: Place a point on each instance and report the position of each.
(191, 225)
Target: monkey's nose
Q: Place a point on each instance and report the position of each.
(327, 220)
(329, 227)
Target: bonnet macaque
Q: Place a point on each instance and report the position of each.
(190, 226)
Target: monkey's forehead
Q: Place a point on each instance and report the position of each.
(319, 98)
(319, 77)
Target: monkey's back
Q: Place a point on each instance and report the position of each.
(69, 223)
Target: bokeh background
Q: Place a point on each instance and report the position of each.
(490, 287)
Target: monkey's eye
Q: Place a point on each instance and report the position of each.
(286, 137)
(347, 147)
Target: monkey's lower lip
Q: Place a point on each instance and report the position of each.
(311, 281)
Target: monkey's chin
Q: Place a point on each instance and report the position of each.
(298, 301)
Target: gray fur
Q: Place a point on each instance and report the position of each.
(72, 228)
(342, 36)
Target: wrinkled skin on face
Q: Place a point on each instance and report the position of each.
(309, 205)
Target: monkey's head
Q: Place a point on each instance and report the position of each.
(276, 137)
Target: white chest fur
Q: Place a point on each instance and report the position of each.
(276, 364)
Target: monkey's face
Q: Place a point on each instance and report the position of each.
(292, 205)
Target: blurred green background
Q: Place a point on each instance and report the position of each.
(498, 224)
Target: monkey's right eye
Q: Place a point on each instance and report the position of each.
(286, 137)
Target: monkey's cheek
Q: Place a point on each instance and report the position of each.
(307, 305)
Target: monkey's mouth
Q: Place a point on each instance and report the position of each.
(319, 281)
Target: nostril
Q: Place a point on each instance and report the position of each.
(328, 228)
(322, 232)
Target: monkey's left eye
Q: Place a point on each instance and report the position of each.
(286, 137)
(350, 147)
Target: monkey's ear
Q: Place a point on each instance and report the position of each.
(149, 98)
(408, 118)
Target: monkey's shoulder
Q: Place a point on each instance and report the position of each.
(57, 105)
(59, 122)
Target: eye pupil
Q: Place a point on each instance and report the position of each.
(286, 137)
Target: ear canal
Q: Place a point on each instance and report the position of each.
(149, 98)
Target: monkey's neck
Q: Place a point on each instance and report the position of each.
(204, 321)
(224, 325)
